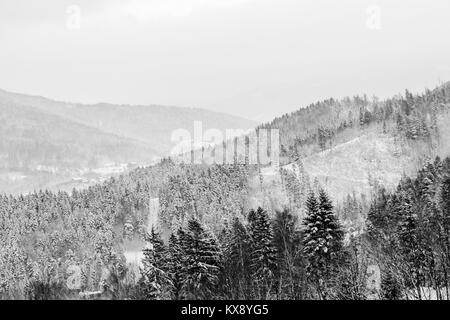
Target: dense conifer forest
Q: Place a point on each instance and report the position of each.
(224, 232)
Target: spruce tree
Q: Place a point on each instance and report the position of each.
(263, 255)
(201, 263)
(174, 264)
(155, 282)
(322, 242)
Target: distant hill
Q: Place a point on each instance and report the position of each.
(152, 125)
(58, 145)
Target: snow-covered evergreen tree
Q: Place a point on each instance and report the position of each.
(201, 263)
(263, 255)
(155, 282)
(322, 242)
(174, 263)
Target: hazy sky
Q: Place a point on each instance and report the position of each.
(253, 58)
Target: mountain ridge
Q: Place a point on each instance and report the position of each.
(69, 138)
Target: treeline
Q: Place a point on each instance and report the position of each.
(325, 124)
(253, 254)
(257, 258)
(409, 231)
(44, 235)
(404, 252)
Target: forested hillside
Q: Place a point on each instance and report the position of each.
(45, 233)
(351, 146)
(209, 245)
(323, 125)
(408, 231)
(241, 231)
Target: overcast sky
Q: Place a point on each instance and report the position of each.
(253, 58)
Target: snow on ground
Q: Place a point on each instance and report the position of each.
(355, 165)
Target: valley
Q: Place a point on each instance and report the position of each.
(47, 144)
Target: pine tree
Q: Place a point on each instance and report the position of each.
(263, 255)
(201, 263)
(155, 282)
(322, 242)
